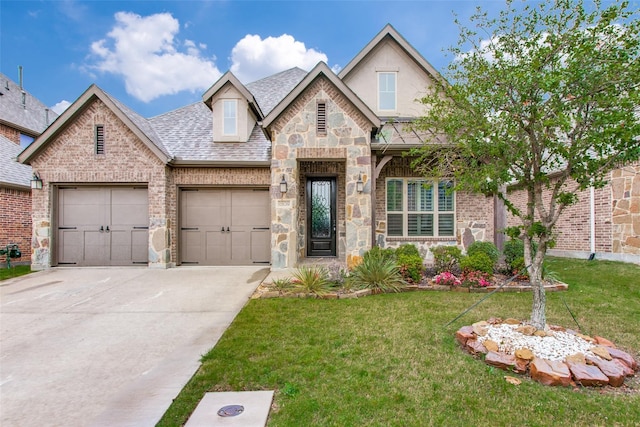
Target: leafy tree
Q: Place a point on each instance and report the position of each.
(546, 97)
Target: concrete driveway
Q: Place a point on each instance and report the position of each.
(110, 346)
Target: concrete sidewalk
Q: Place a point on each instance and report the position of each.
(110, 346)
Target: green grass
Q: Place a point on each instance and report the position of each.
(388, 360)
(14, 271)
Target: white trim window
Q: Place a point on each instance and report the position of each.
(387, 91)
(420, 208)
(230, 117)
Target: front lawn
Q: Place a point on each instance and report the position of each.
(388, 360)
(14, 271)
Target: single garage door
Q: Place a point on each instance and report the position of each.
(102, 226)
(225, 226)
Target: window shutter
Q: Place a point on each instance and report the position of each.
(321, 119)
(99, 139)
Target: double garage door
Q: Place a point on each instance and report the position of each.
(102, 226)
(109, 226)
(229, 226)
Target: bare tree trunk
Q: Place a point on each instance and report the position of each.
(538, 309)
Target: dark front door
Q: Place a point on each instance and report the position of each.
(321, 217)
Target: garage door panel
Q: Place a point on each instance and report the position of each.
(216, 247)
(129, 207)
(102, 226)
(236, 211)
(260, 245)
(70, 246)
(95, 246)
(240, 246)
(250, 208)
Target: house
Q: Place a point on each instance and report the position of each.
(294, 166)
(22, 118)
(604, 223)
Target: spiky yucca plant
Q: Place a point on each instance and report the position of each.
(311, 280)
(378, 273)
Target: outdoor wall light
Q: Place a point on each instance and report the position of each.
(36, 182)
(283, 185)
(359, 184)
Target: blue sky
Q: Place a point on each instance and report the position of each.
(156, 56)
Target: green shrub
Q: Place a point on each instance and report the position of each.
(386, 253)
(411, 267)
(446, 257)
(311, 280)
(377, 272)
(407, 249)
(479, 261)
(485, 247)
(513, 250)
(518, 267)
(410, 262)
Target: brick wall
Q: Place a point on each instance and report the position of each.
(10, 133)
(71, 158)
(15, 221)
(573, 227)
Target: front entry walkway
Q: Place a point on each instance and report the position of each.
(110, 346)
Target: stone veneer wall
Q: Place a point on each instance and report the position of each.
(15, 221)
(294, 140)
(208, 178)
(71, 158)
(474, 214)
(625, 195)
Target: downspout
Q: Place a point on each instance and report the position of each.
(592, 223)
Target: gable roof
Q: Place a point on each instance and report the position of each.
(270, 90)
(229, 78)
(31, 117)
(12, 173)
(136, 123)
(321, 69)
(389, 32)
(188, 134)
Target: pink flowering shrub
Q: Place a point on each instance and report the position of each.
(447, 279)
(475, 279)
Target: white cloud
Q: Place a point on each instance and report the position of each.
(253, 58)
(60, 107)
(144, 51)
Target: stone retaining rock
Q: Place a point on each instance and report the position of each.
(550, 372)
(588, 375)
(592, 370)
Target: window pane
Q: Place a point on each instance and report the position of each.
(229, 123)
(387, 91)
(394, 195)
(394, 225)
(420, 224)
(419, 196)
(445, 224)
(445, 196)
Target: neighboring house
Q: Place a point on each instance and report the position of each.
(297, 165)
(604, 223)
(22, 118)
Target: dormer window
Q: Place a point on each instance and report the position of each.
(230, 119)
(387, 91)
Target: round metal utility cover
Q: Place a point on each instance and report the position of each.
(230, 410)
